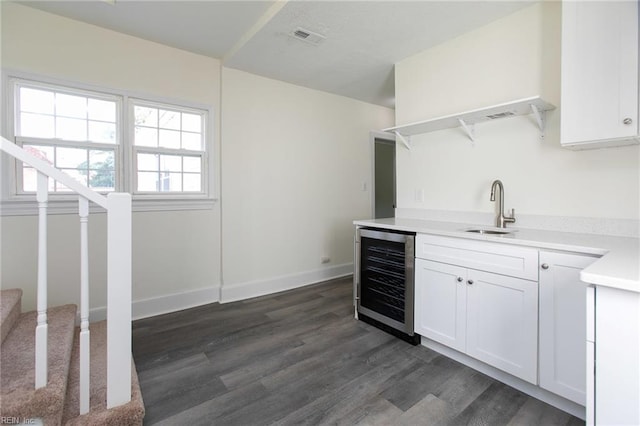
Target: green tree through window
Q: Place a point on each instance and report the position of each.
(101, 174)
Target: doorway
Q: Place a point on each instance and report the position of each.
(384, 175)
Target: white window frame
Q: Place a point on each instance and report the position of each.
(13, 122)
(16, 202)
(204, 154)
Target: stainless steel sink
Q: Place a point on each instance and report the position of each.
(489, 231)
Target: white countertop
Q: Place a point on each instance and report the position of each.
(619, 266)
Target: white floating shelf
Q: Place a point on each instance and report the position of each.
(534, 105)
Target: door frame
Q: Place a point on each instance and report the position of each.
(373, 135)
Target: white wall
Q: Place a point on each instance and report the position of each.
(293, 164)
(515, 57)
(173, 252)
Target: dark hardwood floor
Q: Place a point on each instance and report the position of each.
(299, 357)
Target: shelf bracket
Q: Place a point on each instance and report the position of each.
(540, 119)
(407, 143)
(468, 128)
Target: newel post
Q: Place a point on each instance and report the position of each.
(118, 299)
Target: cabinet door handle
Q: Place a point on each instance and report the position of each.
(469, 282)
(459, 279)
(544, 266)
(627, 121)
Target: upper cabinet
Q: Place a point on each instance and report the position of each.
(599, 74)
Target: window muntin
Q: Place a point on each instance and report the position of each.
(94, 168)
(166, 128)
(168, 173)
(47, 113)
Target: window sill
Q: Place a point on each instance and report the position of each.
(29, 207)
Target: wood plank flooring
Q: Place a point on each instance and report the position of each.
(299, 357)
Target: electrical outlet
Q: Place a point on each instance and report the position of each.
(419, 195)
(325, 259)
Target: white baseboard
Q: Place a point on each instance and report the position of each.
(164, 304)
(506, 378)
(230, 293)
(178, 301)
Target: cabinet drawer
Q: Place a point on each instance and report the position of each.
(504, 259)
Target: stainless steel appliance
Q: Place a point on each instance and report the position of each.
(384, 280)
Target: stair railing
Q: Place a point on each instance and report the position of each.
(118, 207)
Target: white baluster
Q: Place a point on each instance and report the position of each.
(118, 299)
(83, 210)
(42, 197)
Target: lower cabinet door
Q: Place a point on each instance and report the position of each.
(502, 323)
(563, 325)
(440, 302)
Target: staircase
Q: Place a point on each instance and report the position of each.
(51, 371)
(58, 402)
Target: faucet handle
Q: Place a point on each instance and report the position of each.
(512, 218)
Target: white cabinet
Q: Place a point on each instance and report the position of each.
(491, 317)
(599, 78)
(502, 323)
(504, 259)
(562, 322)
(441, 303)
(615, 395)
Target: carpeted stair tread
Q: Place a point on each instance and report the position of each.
(19, 398)
(10, 309)
(131, 413)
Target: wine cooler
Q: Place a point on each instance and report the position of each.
(384, 280)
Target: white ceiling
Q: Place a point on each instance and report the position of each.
(363, 38)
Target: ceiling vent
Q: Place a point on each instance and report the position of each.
(307, 36)
(500, 115)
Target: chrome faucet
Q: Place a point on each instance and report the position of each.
(501, 219)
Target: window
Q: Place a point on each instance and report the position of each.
(168, 149)
(75, 131)
(109, 141)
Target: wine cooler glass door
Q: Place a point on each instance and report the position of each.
(386, 278)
